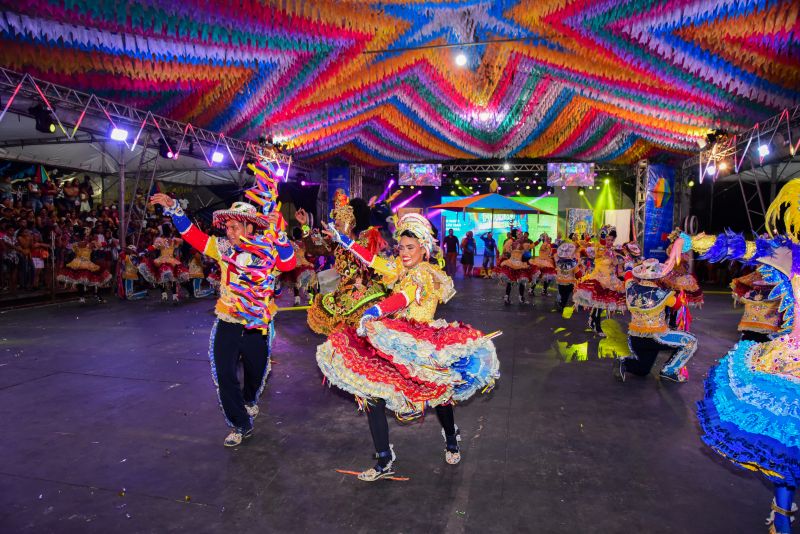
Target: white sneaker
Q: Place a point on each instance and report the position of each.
(175, 298)
(252, 410)
(164, 296)
(297, 301)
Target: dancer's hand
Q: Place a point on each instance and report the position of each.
(163, 200)
(332, 233)
(301, 216)
(369, 315)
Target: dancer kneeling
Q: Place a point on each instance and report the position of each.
(408, 361)
(648, 332)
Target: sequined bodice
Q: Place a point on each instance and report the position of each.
(425, 282)
(646, 304)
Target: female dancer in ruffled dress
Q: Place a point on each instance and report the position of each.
(762, 317)
(544, 263)
(83, 273)
(602, 289)
(400, 357)
(512, 270)
(751, 411)
(166, 270)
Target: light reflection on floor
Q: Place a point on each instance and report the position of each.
(585, 344)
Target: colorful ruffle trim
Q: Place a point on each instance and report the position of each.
(590, 294)
(83, 277)
(507, 274)
(409, 364)
(751, 417)
(164, 273)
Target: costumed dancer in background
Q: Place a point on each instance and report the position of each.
(358, 288)
(648, 332)
(83, 273)
(544, 263)
(196, 275)
(751, 411)
(512, 270)
(299, 278)
(686, 288)
(761, 317)
(408, 361)
(601, 289)
(129, 259)
(166, 270)
(567, 272)
(255, 245)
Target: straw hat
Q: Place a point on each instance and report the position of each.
(242, 212)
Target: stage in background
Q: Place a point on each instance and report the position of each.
(570, 174)
(658, 211)
(420, 174)
(480, 223)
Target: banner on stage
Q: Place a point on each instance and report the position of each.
(579, 220)
(658, 211)
(338, 179)
(621, 220)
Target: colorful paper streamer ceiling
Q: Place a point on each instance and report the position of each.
(592, 80)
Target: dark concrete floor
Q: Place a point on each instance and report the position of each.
(111, 424)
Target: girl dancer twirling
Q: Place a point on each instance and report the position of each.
(513, 270)
(408, 361)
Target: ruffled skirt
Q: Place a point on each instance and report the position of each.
(515, 273)
(752, 417)
(343, 307)
(409, 364)
(165, 273)
(591, 294)
(84, 277)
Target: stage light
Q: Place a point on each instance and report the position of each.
(461, 59)
(452, 193)
(458, 182)
(580, 192)
(527, 187)
(516, 178)
(691, 183)
(722, 165)
(711, 170)
(488, 179)
(164, 149)
(506, 166)
(607, 181)
(119, 134)
(539, 187)
(518, 193)
(763, 150)
(43, 118)
(217, 157)
(303, 183)
(280, 171)
(502, 178)
(412, 187)
(563, 187)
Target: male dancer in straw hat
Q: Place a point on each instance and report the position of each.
(231, 339)
(648, 332)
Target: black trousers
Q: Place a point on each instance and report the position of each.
(233, 343)
(646, 350)
(379, 426)
(521, 289)
(596, 314)
(564, 293)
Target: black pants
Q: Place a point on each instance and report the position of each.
(597, 313)
(758, 337)
(564, 293)
(234, 343)
(379, 426)
(646, 351)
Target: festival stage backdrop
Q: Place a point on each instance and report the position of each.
(338, 178)
(369, 81)
(658, 211)
(480, 223)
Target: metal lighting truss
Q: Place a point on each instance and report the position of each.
(78, 114)
(512, 167)
(640, 170)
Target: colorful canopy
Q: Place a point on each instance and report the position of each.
(595, 81)
(490, 202)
